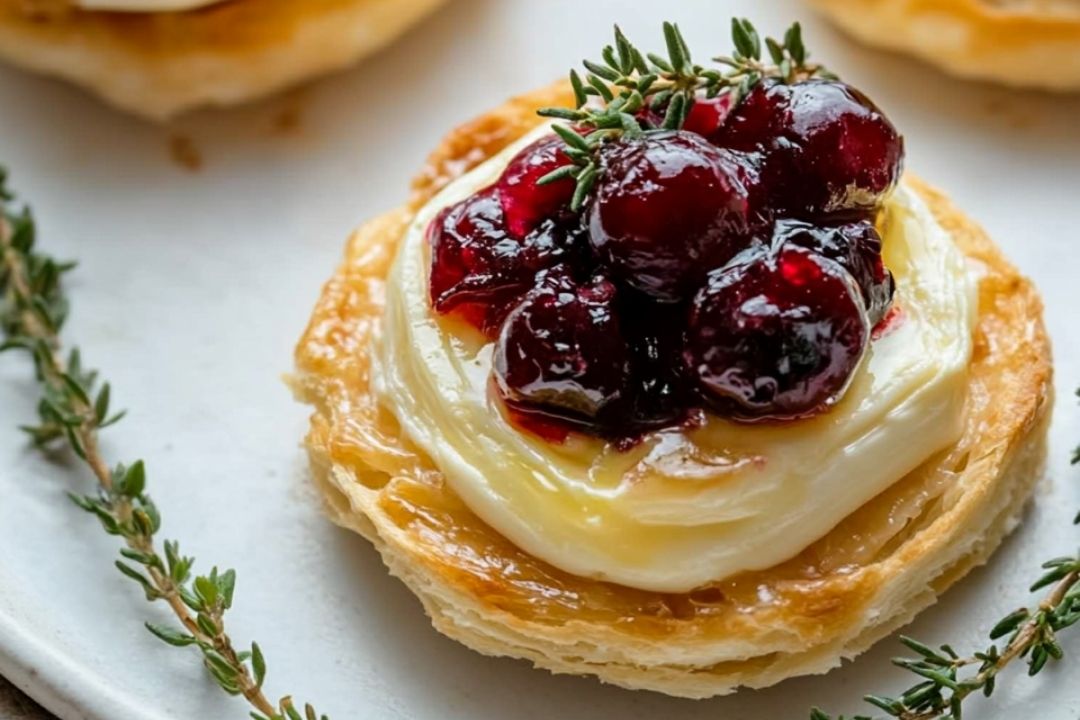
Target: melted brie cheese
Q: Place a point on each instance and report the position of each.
(144, 6)
(685, 507)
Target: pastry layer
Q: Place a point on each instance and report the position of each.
(160, 64)
(871, 574)
(684, 507)
(1034, 43)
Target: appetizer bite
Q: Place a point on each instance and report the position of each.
(1026, 43)
(689, 389)
(157, 58)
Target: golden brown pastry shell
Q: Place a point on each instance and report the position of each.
(158, 64)
(870, 575)
(1027, 43)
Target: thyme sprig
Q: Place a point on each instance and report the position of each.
(948, 679)
(613, 92)
(73, 409)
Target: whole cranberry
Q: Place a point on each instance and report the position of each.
(479, 269)
(776, 336)
(525, 203)
(668, 207)
(827, 147)
(561, 352)
(856, 246)
(706, 115)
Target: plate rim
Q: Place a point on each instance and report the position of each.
(82, 695)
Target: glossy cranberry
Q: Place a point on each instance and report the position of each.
(668, 207)
(479, 269)
(525, 203)
(776, 336)
(856, 246)
(561, 352)
(706, 115)
(659, 394)
(827, 147)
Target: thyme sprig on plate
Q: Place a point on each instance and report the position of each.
(613, 92)
(947, 679)
(73, 409)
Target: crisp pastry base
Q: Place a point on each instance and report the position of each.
(160, 64)
(1029, 43)
(869, 576)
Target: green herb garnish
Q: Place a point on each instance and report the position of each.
(73, 409)
(1029, 634)
(613, 91)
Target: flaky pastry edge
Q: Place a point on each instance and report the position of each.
(825, 621)
(158, 65)
(1017, 46)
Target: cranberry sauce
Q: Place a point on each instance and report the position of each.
(732, 265)
(668, 207)
(775, 335)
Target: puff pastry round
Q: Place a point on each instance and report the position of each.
(870, 575)
(158, 64)
(1030, 43)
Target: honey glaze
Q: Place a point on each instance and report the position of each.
(472, 556)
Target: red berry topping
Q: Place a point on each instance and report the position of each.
(561, 352)
(827, 147)
(857, 247)
(776, 335)
(478, 269)
(658, 389)
(730, 264)
(668, 207)
(525, 203)
(706, 116)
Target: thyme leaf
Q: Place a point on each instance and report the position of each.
(73, 409)
(946, 679)
(613, 92)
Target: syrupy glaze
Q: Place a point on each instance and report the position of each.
(513, 581)
(827, 585)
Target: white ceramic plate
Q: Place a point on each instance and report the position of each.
(194, 286)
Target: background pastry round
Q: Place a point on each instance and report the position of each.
(869, 576)
(160, 64)
(1027, 43)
